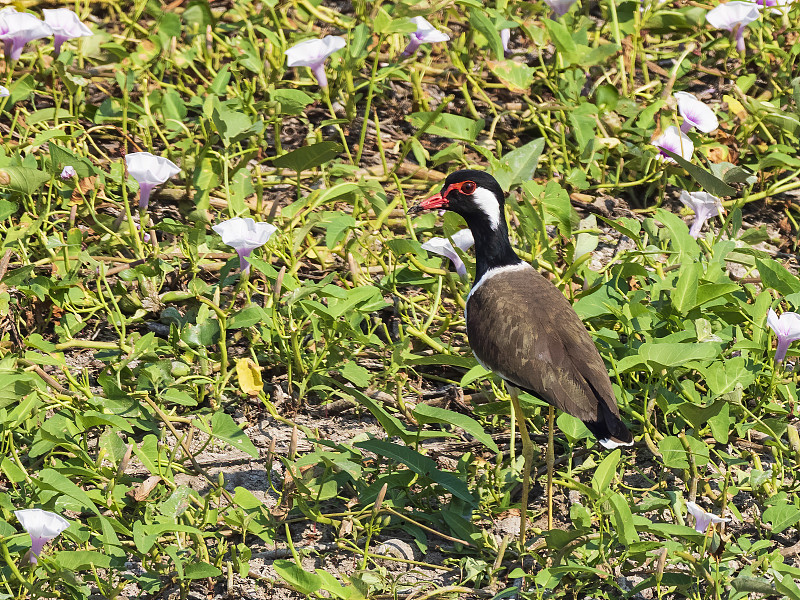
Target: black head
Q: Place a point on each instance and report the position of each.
(475, 195)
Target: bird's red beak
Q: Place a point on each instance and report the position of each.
(435, 201)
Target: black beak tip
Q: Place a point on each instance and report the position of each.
(416, 209)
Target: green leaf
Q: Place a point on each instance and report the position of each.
(223, 427)
(605, 472)
(292, 102)
(200, 570)
(518, 165)
(572, 427)
(22, 179)
(624, 528)
(62, 157)
(787, 586)
(479, 21)
(683, 243)
(51, 479)
(674, 354)
(684, 298)
(516, 76)
(432, 414)
(708, 181)
(562, 40)
(308, 157)
(775, 275)
(673, 455)
(301, 580)
(336, 228)
(247, 317)
(447, 125)
(80, 560)
(781, 516)
(419, 464)
(356, 374)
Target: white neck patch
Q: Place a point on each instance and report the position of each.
(486, 201)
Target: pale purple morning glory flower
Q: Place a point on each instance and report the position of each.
(4, 91)
(68, 172)
(66, 25)
(463, 240)
(19, 28)
(695, 113)
(312, 54)
(704, 206)
(505, 38)
(703, 518)
(560, 7)
(149, 170)
(244, 236)
(734, 16)
(677, 142)
(42, 526)
(787, 330)
(425, 34)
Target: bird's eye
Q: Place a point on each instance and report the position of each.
(468, 187)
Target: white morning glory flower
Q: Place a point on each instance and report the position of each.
(19, 28)
(787, 330)
(734, 16)
(704, 206)
(695, 113)
(68, 172)
(4, 91)
(463, 240)
(677, 142)
(560, 7)
(149, 170)
(425, 34)
(703, 518)
(66, 25)
(312, 54)
(244, 236)
(42, 525)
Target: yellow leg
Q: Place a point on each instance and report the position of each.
(551, 461)
(527, 453)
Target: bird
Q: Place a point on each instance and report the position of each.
(522, 328)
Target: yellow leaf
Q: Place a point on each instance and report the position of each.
(249, 374)
(735, 107)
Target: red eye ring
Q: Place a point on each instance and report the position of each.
(465, 187)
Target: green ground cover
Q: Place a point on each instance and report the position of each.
(141, 367)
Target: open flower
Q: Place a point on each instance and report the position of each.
(66, 25)
(4, 91)
(703, 518)
(695, 113)
(42, 525)
(704, 206)
(787, 330)
(425, 34)
(734, 16)
(677, 142)
(68, 172)
(149, 170)
(19, 28)
(312, 54)
(560, 7)
(244, 236)
(463, 240)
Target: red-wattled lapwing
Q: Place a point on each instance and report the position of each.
(522, 328)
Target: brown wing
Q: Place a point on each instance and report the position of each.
(522, 328)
